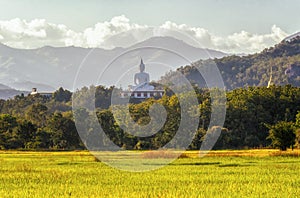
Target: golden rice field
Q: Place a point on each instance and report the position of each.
(251, 173)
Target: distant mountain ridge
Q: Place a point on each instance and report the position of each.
(7, 92)
(52, 67)
(27, 85)
(181, 47)
(3, 87)
(48, 68)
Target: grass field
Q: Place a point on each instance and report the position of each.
(251, 173)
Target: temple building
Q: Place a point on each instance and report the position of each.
(141, 88)
(45, 94)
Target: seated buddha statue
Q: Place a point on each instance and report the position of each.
(141, 80)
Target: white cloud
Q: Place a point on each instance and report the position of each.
(97, 35)
(36, 33)
(120, 32)
(241, 42)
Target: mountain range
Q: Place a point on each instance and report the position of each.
(7, 92)
(48, 68)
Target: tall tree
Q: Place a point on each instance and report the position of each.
(27, 133)
(8, 136)
(282, 135)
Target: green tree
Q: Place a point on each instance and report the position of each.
(62, 95)
(27, 133)
(8, 136)
(37, 114)
(282, 135)
(63, 132)
(41, 141)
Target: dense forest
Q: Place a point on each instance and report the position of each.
(253, 116)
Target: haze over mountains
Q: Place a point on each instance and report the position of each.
(7, 92)
(48, 68)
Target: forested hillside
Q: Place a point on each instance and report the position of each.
(282, 62)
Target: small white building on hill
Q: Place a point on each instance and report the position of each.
(35, 92)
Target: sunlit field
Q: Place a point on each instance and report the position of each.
(251, 173)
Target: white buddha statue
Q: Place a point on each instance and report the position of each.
(141, 80)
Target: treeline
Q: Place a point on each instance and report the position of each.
(256, 117)
(252, 115)
(38, 122)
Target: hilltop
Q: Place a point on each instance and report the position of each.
(282, 62)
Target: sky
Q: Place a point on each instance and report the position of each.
(236, 26)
